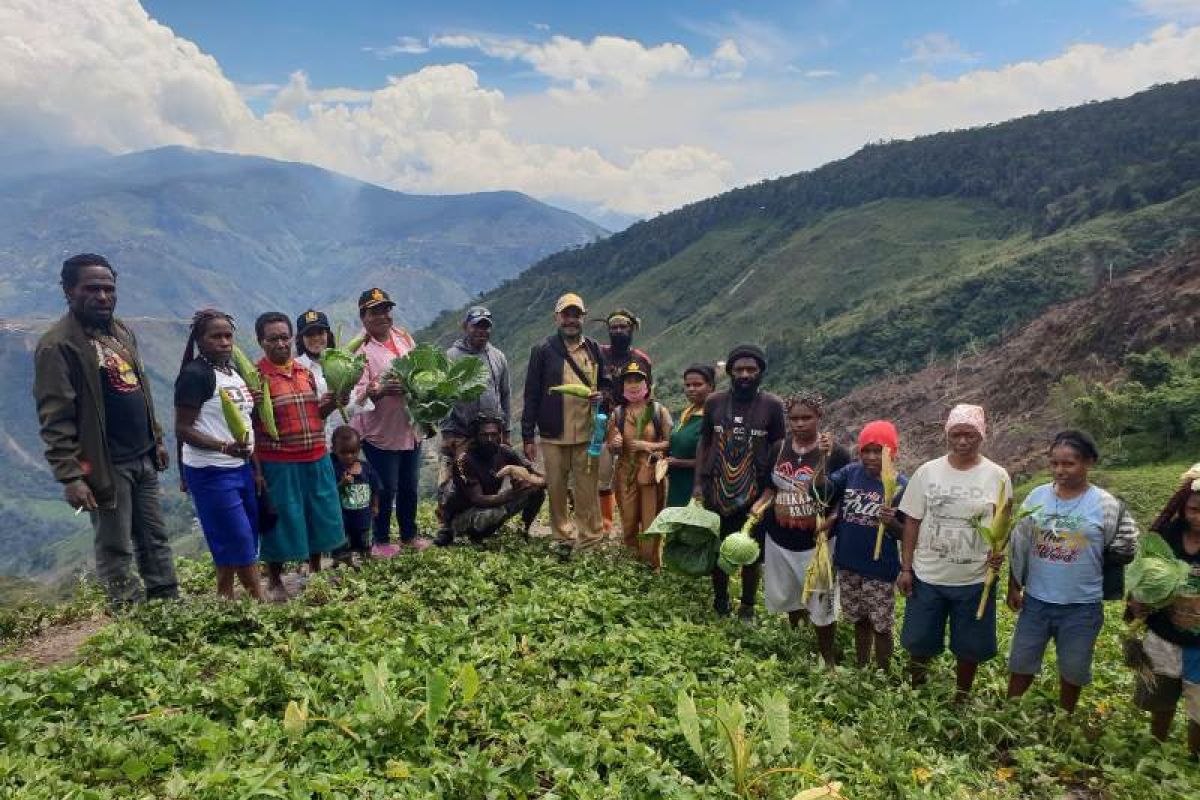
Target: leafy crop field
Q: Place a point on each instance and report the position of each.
(509, 674)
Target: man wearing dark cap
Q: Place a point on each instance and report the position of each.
(494, 403)
(389, 441)
(618, 354)
(564, 423)
(732, 462)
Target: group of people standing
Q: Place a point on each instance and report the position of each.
(316, 485)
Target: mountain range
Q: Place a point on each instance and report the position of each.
(897, 281)
(901, 255)
(188, 228)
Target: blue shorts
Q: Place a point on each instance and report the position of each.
(227, 507)
(930, 607)
(1074, 628)
(310, 512)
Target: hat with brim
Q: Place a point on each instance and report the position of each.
(311, 321)
(634, 370)
(374, 298)
(569, 300)
(477, 315)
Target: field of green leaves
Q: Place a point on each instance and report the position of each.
(507, 673)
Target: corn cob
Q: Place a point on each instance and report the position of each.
(888, 475)
(250, 374)
(997, 535)
(818, 576)
(233, 418)
(572, 389)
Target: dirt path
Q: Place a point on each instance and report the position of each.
(58, 645)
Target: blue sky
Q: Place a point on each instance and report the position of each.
(263, 42)
(618, 110)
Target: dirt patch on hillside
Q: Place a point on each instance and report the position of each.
(1155, 305)
(56, 645)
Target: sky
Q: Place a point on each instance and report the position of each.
(619, 110)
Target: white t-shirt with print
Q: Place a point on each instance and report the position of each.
(211, 421)
(947, 501)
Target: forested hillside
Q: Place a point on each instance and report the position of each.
(901, 254)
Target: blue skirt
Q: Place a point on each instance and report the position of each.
(227, 507)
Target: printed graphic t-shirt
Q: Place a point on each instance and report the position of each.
(198, 386)
(948, 502)
(802, 491)
(356, 495)
(126, 415)
(1066, 559)
(859, 497)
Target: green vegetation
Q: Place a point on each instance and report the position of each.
(508, 674)
(1153, 414)
(903, 253)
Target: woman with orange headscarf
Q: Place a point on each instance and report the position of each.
(866, 583)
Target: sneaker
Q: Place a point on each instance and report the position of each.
(562, 549)
(721, 606)
(385, 550)
(443, 539)
(746, 616)
(419, 543)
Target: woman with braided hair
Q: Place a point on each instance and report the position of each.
(1172, 642)
(214, 463)
(798, 497)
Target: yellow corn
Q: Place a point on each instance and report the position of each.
(573, 389)
(233, 418)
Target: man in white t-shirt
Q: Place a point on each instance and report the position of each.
(944, 560)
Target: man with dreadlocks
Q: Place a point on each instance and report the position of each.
(493, 482)
(619, 353)
(103, 441)
(733, 466)
(215, 462)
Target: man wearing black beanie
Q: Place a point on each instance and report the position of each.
(732, 464)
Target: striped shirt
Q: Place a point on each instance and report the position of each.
(297, 416)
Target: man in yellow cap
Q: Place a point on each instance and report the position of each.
(564, 423)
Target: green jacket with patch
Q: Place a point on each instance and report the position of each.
(70, 404)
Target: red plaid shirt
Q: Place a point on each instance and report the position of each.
(301, 429)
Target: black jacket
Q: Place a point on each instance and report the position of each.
(543, 412)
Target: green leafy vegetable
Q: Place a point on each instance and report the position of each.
(434, 384)
(342, 370)
(693, 537)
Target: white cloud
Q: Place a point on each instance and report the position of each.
(606, 62)
(404, 45)
(297, 96)
(937, 48)
(103, 73)
(821, 73)
(1172, 10)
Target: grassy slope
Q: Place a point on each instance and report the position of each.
(580, 664)
(864, 292)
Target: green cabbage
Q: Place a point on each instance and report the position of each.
(1156, 576)
(342, 371)
(434, 383)
(739, 549)
(692, 538)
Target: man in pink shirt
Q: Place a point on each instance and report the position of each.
(391, 445)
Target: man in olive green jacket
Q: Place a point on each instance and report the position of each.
(102, 439)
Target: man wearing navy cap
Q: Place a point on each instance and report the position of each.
(476, 341)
